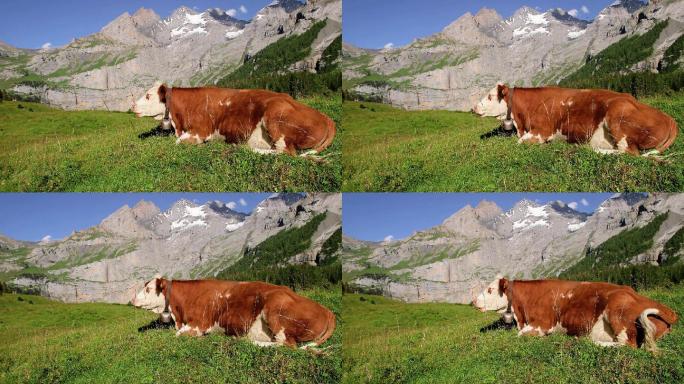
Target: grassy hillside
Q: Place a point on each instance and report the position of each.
(268, 260)
(387, 341)
(389, 149)
(270, 68)
(612, 67)
(45, 149)
(43, 341)
(610, 260)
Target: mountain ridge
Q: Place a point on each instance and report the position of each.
(452, 260)
(456, 67)
(106, 262)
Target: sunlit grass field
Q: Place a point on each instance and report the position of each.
(387, 341)
(46, 149)
(43, 341)
(389, 149)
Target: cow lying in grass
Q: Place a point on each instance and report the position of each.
(611, 315)
(266, 314)
(268, 122)
(610, 122)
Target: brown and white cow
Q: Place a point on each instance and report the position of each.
(269, 122)
(609, 314)
(610, 122)
(266, 314)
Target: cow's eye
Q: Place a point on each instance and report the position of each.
(147, 289)
(147, 96)
(489, 290)
(489, 97)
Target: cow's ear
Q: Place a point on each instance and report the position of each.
(160, 284)
(502, 91)
(503, 285)
(162, 93)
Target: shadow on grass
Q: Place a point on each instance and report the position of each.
(496, 132)
(155, 132)
(156, 324)
(499, 324)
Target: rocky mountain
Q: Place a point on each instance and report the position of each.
(109, 261)
(113, 67)
(453, 261)
(456, 67)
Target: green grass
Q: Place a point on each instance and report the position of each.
(43, 341)
(387, 341)
(45, 149)
(389, 149)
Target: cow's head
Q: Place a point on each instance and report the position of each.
(152, 103)
(151, 297)
(494, 104)
(494, 297)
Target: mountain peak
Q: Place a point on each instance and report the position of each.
(630, 5)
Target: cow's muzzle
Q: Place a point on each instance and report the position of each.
(508, 125)
(165, 317)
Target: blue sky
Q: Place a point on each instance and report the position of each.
(373, 24)
(374, 216)
(30, 24)
(32, 216)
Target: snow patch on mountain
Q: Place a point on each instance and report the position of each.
(234, 226)
(576, 226)
(527, 31)
(525, 224)
(576, 34)
(234, 34)
(183, 224)
(539, 19)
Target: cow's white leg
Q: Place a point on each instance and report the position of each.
(602, 143)
(529, 137)
(259, 141)
(187, 137)
(602, 333)
(266, 343)
(188, 330)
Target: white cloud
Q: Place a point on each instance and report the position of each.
(231, 205)
(231, 12)
(584, 202)
(388, 238)
(242, 202)
(573, 12)
(573, 205)
(243, 9)
(46, 238)
(47, 45)
(584, 9)
(389, 46)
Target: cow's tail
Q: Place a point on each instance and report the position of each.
(662, 312)
(328, 137)
(671, 136)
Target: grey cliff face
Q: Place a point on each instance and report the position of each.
(110, 69)
(455, 260)
(456, 67)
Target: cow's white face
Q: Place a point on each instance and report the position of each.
(150, 104)
(490, 105)
(150, 297)
(492, 298)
